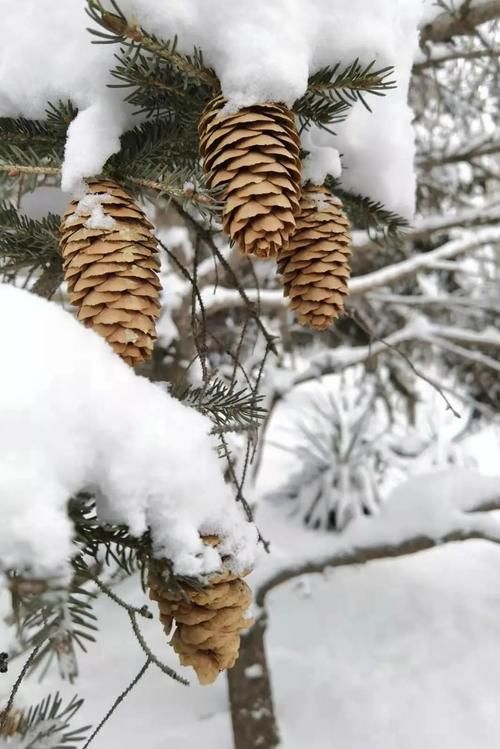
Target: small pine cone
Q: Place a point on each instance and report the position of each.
(10, 724)
(315, 265)
(111, 267)
(208, 621)
(255, 155)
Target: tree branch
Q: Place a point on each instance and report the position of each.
(369, 554)
(461, 23)
(217, 298)
(459, 156)
(423, 513)
(465, 54)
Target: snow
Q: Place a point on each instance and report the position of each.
(430, 506)
(92, 204)
(321, 159)
(74, 416)
(254, 672)
(392, 653)
(260, 51)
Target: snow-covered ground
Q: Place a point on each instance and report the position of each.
(392, 654)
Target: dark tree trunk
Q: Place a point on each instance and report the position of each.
(250, 694)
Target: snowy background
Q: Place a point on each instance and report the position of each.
(390, 653)
(395, 652)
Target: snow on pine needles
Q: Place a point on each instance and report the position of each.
(75, 417)
(260, 51)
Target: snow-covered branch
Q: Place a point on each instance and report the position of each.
(424, 512)
(419, 329)
(470, 241)
(441, 59)
(463, 22)
(487, 215)
(444, 300)
(490, 148)
(86, 420)
(219, 298)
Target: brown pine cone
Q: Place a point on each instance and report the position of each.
(208, 622)
(111, 267)
(315, 264)
(254, 155)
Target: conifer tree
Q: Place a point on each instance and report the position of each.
(103, 256)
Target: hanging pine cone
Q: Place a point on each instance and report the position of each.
(315, 265)
(111, 267)
(10, 723)
(254, 155)
(208, 621)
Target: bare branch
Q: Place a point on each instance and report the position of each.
(471, 54)
(428, 225)
(448, 25)
(459, 156)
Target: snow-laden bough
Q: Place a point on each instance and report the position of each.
(73, 416)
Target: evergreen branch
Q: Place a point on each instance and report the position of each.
(29, 145)
(159, 88)
(174, 185)
(58, 618)
(352, 82)
(92, 539)
(368, 214)
(27, 243)
(47, 724)
(15, 169)
(226, 405)
(118, 29)
(333, 90)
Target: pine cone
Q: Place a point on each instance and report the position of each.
(315, 265)
(10, 724)
(254, 155)
(111, 267)
(208, 621)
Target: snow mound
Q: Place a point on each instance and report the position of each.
(73, 416)
(260, 51)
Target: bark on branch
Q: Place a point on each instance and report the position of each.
(371, 554)
(461, 23)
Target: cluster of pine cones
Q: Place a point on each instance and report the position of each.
(111, 267)
(254, 155)
(109, 249)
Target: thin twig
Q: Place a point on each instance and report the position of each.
(207, 237)
(356, 318)
(17, 684)
(117, 702)
(151, 656)
(142, 611)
